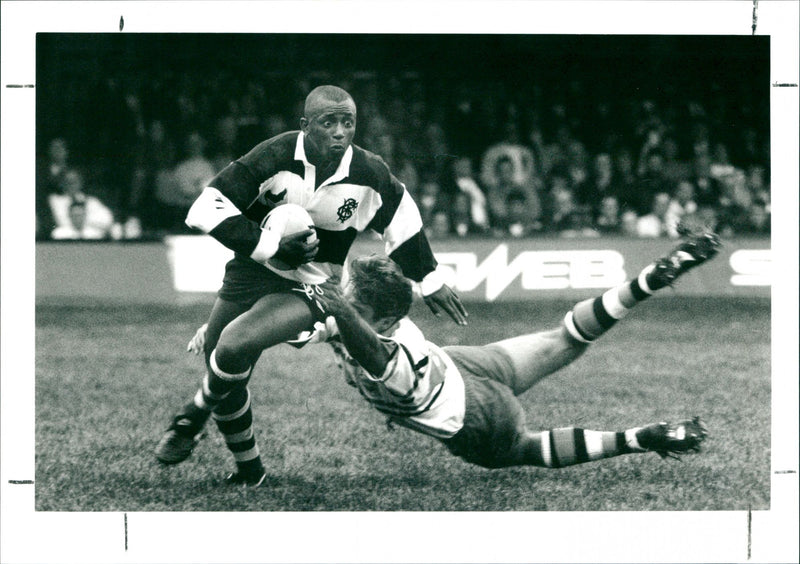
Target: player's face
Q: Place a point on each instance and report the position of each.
(329, 129)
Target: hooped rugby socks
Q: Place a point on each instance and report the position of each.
(591, 318)
(227, 397)
(217, 384)
(234, 419)
(568, 446)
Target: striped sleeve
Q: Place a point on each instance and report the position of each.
(218, 210)
(224, 209)
(400, 224)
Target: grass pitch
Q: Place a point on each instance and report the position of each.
(108, 380)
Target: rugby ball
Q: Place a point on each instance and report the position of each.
(285, 220)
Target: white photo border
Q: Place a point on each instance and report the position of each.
(30, 536)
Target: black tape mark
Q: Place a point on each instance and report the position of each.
(121, 23)
(19, 85)
(755, 15)
(784, 85)
(749, 530)
(126, 532)
(20, 481)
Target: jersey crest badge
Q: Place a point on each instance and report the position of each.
(347, 209)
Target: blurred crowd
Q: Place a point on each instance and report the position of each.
(480, 159)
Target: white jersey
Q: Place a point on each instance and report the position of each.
(420, 388)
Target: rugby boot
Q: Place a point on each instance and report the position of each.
(697, 247)
(182, 435)
(670, 440)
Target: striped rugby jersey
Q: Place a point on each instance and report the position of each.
(421, 388)
(361, 194)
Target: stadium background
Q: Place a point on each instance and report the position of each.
(110, 367)
(131, 107)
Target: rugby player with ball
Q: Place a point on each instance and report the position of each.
(267, 291)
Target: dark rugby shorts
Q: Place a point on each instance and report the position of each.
(246, 282)
(494, 418)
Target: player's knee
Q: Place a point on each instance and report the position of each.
(231, 356)
(569, 342)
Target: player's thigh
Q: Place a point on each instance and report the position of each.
(222, 313)
(537, 355)
(273, 319)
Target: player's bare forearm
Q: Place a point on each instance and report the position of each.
(362, 342)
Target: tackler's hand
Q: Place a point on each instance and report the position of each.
(295, 249)
(445, 299)
(331, 297)
(198, 342)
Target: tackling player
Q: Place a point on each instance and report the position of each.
(346, 190)
(465, 396)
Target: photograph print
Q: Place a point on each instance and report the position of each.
(402, 274)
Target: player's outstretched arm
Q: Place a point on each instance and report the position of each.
(358, 337)
(445, 299)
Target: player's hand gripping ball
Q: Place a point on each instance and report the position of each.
(286, 221)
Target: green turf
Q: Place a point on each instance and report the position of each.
(108, 379)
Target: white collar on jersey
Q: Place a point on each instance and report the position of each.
(344, 165)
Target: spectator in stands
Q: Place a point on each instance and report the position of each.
(757, 182)
(675, 169)
(49, 176)
(470, 196)
(178, 191)
(578, 169)
(651, 182)
(653, 224)
(430, 197)
(505, 186)
(601, 184)
(651, 144)
(565, 217)
(460, 216)
(78, 215)
(734, 204)
(521, 222)
(405, 170)
(122, 147)
(707, 189)
(751, 151)
(440, 224)
(758, 220)
(159, 168)
(438, 160)
(511, 150)
(552, 154)
(708, 216)
(720, 165)
(608, 220)
(625, 178)
(629, 221)
(681, 206)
